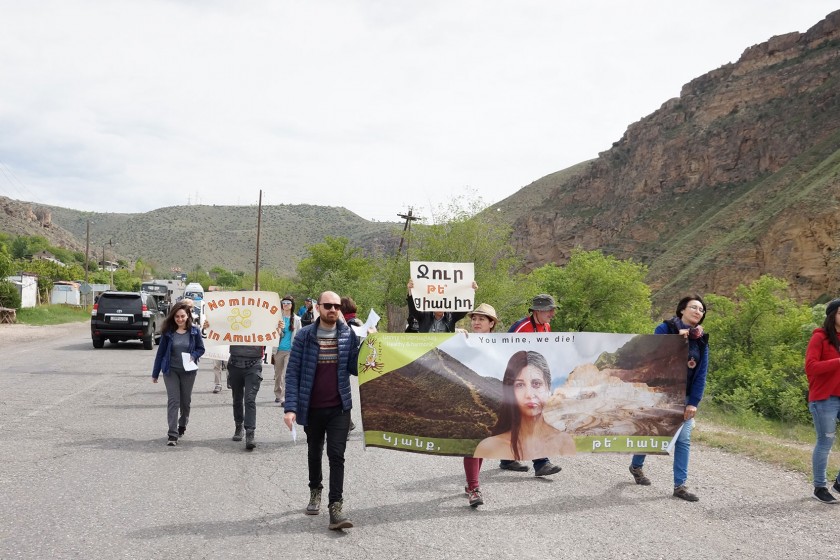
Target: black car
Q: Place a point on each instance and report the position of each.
(120, 316)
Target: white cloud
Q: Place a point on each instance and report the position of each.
(371, 105)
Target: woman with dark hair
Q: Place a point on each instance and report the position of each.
(521, 431)
(348, 311)
(690, 313)
(290, 326)
(178, 337)
(822, 366)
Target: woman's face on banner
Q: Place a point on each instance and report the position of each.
(531, 391)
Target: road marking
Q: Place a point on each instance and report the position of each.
(65, 398)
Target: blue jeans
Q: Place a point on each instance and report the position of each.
(682, 447)
(826, 414)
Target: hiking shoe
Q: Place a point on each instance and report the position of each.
(173, 441)
(181, 430)
(547, 469)
(217, 389)
(836, 486)
(475, 497)
(822, 494)
(314, 505)
(337, 519)
(639, 476)
(239, 433)
(249, 440)
(515, 466)
(682, 493)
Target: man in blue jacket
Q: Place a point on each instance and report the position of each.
(324, 355)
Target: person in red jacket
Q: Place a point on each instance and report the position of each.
(540, 314)
(822, 366)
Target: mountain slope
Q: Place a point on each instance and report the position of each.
(207, 236)
(736, 178)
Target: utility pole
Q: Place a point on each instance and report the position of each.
(87, 258)
(397, 314)
(257, 265)
(410, 217)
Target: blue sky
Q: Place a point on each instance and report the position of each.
(117, 106)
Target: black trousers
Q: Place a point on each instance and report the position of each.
(331, 424)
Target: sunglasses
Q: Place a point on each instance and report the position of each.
(329, 306)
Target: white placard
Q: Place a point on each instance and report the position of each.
(242, 318)
(442, 286)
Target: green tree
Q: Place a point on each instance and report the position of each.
(596, 293)
(757, 348)
(333, 265)
(462, 233)
(24, 246)
(199, 276)
(125, 281)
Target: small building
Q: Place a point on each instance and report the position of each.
(27, 285)
(46, 256)
(65, 292)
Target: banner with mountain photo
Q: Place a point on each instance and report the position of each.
(523, 395)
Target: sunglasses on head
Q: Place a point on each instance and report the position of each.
(329, 306)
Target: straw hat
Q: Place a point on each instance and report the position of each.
(484, 309)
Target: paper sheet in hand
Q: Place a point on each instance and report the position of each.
(189, 365)
(372, 319)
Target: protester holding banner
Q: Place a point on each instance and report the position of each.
(318, 397)
(539, 318)
(180, 348)
(482, 320)
(433, 321)
(822, 366)
(691, 311)
(291, 325)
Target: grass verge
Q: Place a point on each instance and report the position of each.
(779, 443)
(52, 315)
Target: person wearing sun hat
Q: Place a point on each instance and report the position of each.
(482, 320)
(540, 313)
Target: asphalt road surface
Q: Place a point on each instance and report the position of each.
(86, 474)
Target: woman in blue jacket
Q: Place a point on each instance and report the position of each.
(690, 313)
(178, 337)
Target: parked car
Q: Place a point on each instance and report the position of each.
(119, 316)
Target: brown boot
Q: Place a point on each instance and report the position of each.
(639, 476)
(337, 519)
(314, 505)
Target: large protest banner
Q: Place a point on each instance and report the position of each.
(522, 395)
(442, 286)
(242, 318)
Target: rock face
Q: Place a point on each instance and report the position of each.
(21, 218)
(737, 177)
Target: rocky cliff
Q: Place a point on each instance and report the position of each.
(23, 218)
(737, 177)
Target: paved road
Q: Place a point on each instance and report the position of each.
(86, 474)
